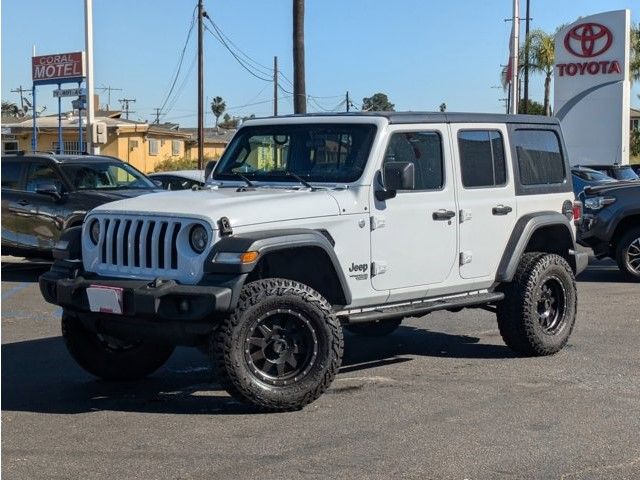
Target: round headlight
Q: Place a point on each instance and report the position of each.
(94, 231)
(198, 238)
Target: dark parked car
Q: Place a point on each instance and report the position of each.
(617, 171)
(44, 194)
(611, 224)
(179, 180)
(583, 177)
(636, 168)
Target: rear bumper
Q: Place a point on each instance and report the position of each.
(154, 300)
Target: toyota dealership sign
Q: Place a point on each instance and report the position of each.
(592, 88)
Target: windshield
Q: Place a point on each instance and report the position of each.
(626, 173)
(592, 175)
(105, 176)
(313, 152)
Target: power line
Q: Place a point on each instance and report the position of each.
(180, 61)
(125, 106)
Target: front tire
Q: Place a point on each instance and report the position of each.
(538, 312)
(110, 358)
(628, 254)
(281, 348)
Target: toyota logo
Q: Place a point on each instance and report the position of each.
(588, 40)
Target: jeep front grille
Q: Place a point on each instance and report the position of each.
(139, 243)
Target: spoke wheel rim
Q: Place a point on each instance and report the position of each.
(551, 305)
(632, 256)
(281, 347)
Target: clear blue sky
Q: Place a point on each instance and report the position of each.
(421, 53)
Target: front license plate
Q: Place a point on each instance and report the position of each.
(105, 299)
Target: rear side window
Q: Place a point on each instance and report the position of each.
(539, 157)
(482, 158)
(11, 172)
(424, 150)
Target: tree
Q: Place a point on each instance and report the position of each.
(533, 107)
(634, 64)
(218, 107)
(378, 102)
(443, 107)
(299, 88)
(9, 109)
(542, 53)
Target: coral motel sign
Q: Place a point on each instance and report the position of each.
(58, 67)
(588, 40)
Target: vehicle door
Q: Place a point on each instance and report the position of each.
(413, 238)
(12, 181)
(44, 219)
(486, 197)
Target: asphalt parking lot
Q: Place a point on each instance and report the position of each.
(440, 398)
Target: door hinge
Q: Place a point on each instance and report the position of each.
(377, 222)
(466, 257)
(378, 268)
(465, 215)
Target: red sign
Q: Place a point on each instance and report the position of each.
(60, 66)
(588, 40)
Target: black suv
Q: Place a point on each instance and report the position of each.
(611, 224)
(43, 194)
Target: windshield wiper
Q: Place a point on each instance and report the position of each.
(242, 177)
(299, 178)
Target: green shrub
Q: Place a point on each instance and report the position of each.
(169, 164)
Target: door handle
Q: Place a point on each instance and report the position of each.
(23, 202)
(443, 214)
(501, 210)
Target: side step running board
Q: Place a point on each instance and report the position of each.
(426, 307)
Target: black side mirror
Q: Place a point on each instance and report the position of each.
(397, 176)
(50, 189)
(208, 169)
(157, 182)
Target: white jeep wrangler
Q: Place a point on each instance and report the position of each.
(313, 223)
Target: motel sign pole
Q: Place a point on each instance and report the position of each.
(88, 30)
(515, 45)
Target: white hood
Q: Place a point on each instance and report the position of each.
(240, 207)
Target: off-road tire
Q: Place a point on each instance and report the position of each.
(622, 250)
(95, 355)
(518, 315)
(375, 329)
(229, 345)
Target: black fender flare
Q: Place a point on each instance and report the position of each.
(522, 232)
(265, 242)
(69, 246)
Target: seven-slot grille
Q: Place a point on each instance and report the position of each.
(139, 243)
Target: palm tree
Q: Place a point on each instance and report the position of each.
(218, 107)
(541, 47)
(9, 109)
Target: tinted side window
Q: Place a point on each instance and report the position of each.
(41, 174)
(424, 150)
(482, 158)
(539, 158)
(11, 172)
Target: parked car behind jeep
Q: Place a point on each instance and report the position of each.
(44, 194)
(611, 224)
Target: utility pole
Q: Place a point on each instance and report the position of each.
(109, 89)
(125, 106)
(21, 91)
(201, 14)
(299, 89)
(515, 44)
(275, 86)
(88, 40)
(526, 61)
(157, 121)
(347, 101)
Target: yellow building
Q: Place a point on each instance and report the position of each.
(215, 142)
(141, 144)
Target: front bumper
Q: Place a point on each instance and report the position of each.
(154, 300)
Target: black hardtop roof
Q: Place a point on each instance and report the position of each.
(438, 117)
(62, 158)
